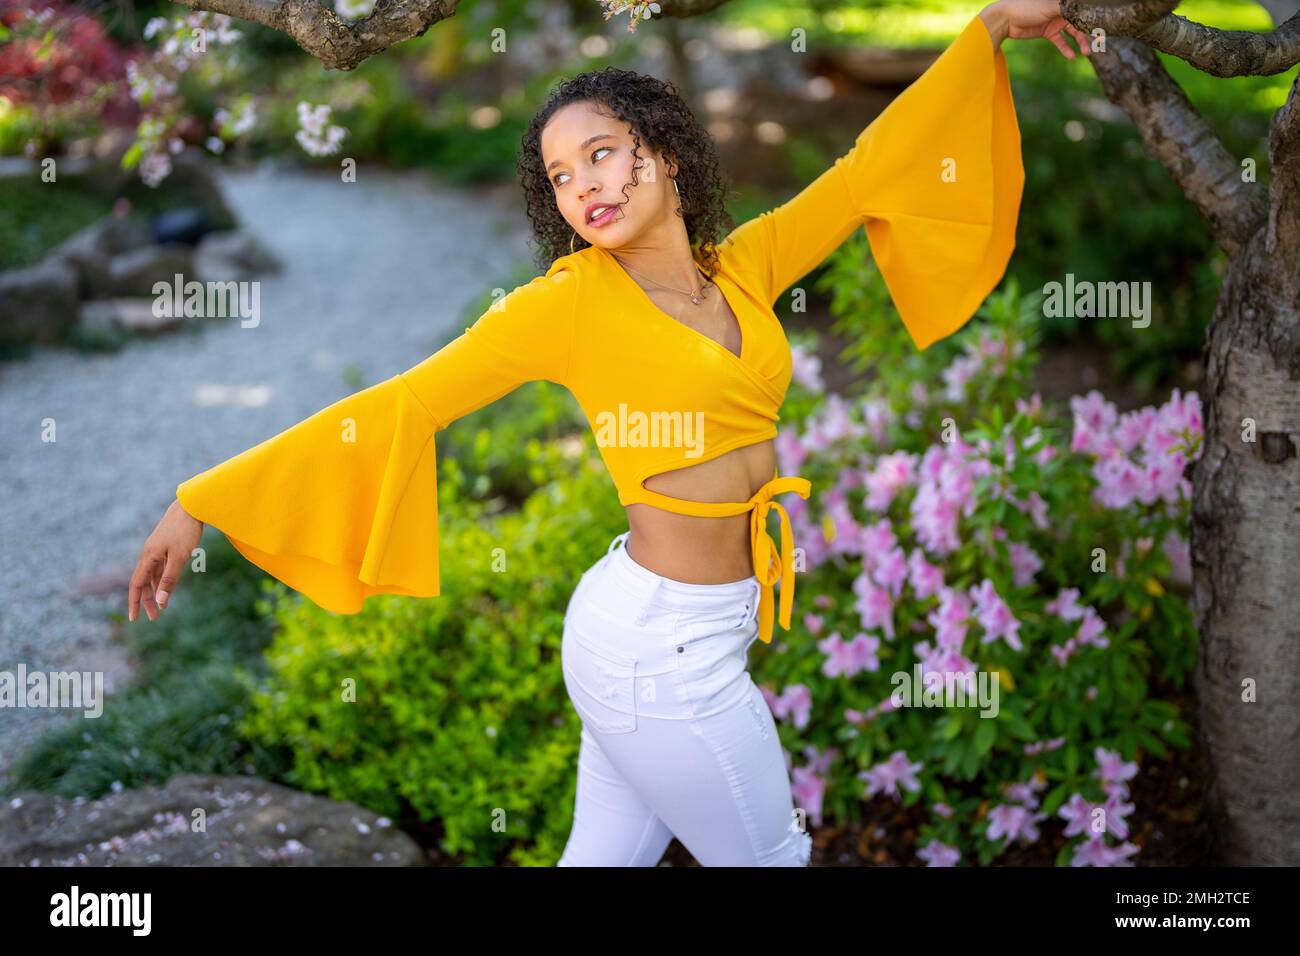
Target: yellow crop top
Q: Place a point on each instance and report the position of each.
(343, 505)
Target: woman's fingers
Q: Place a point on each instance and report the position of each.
(171, 572)
(141, 588)
(1053, 33)
(1085, 42)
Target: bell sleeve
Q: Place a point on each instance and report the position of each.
(936, 179)
(343, 504)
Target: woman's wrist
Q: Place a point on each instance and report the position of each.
(995, 19)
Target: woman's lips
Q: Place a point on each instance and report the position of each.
(604, 217)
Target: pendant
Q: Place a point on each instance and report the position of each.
(695, 299)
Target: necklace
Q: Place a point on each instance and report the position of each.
(694, 296)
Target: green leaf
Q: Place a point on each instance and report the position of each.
(985, 735)
(132, 155)
(952, 728)
(1153, 743)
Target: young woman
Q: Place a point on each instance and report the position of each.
(669, 341)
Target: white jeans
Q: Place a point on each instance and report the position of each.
(676, 738)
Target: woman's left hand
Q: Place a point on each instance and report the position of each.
(1031, 19)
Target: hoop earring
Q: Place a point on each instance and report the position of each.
(571, 238)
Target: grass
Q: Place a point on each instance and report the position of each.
(189, 689)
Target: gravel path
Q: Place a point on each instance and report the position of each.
(376, 276)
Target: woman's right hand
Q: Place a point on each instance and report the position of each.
(164, 553)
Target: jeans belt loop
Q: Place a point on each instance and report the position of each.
(751, 606)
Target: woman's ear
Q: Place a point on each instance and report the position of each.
(670, 165)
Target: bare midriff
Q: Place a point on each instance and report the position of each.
(694, 549)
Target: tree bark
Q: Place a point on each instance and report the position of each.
(1245, 547)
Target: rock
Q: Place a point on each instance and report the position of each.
(106, 316)
(248, 822)
(233, 255)
(188, 224)
(38, 303)
(193, 175)
(90, 250)
(134, 273)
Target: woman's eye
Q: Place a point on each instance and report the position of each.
(603, 149)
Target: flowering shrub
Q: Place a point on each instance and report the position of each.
(984, 594)
(58, 72)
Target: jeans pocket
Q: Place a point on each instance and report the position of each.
(601, 684)
(711, 664)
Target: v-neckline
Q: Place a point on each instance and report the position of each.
(744, 332)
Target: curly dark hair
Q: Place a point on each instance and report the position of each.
(655, 113)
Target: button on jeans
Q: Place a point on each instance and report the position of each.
(676, 738)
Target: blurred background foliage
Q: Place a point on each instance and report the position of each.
(1095, 204)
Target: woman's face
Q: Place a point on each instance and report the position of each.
(588, 160)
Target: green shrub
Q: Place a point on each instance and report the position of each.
(954, 526)
(460, 714)
(187, 693)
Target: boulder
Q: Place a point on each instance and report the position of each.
(247, 822)
(101, 317)
(134, 273)
(90, 250)
(233, 254)
(38, 303)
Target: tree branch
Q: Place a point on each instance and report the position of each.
(1210, 50)
(1177, 135)
(1282, 238)
(339, 44)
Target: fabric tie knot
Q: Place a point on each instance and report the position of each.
(772, 564)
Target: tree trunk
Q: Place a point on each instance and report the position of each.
(1245, 547)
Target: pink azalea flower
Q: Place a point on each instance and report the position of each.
(1111, 766)
(925, 578)
(1078, 815)
(1095, 852)
(1025, 563)
(885, 777)
(994, 616)
(849, 658)
(1013, 822)
(790, 452)
(891, 571)
(1066, 605)
(878, 539)
(936, 853)
(795, 702)
(1091, 629)
(808, 790)
(949, 618)
(892, 474)
(806, 368)
(874, 607)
